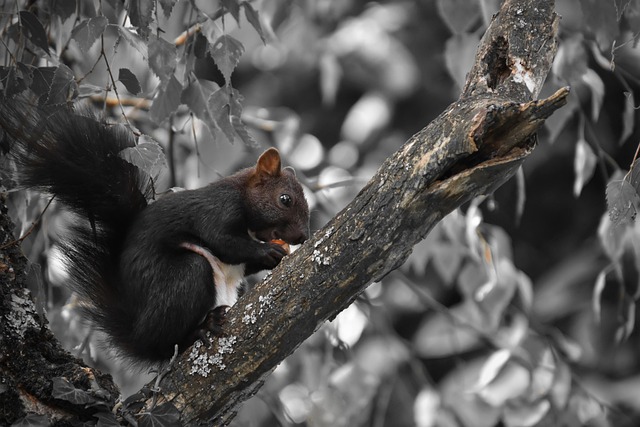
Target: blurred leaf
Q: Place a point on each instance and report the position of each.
(459, 15)
(167, 6)
(571, 61)
(584, 164)
(586, 407)
(627, 316)
(129, 80)
(600, 18)
(88, 31)
(167, 101)
(162, 58)
(472, 277)
(140, 14)
(443, 335)
(63, 389)
(559, 119)
(330, 77)
(447, 259)
(134, 41)
(543, 375)
(459, 54)
(367, 117)
(34, 30)
(509, 336)
(147, 155)
(512, 381)
(561, 389)
(525, 414)
(492, 367)
(226, 53)
(63, 8)
(596, 85)
(597, 294)
(623, 202)
(628, 117)
(86, 90)
(470, 410)
(233, 7)
(254, 19)
(425, 408)
(195, 96)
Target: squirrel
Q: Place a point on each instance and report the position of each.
(152, 275)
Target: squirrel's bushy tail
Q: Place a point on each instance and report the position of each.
(77, 159)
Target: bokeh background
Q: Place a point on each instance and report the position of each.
(518, 309)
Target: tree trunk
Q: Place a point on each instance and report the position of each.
(472, 148)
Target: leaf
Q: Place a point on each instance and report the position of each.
(226, 53)
(134, 41)
(587, 408)
(167, 6)
(235, 105)
(451, 333)
(628, 117)
(628, 316)
(243, 132)
(254, 19)
(87, 32)
(147, 155)
(162, 58)
(233, 8)
(106, 419)
(459, 15)
(35, 31)
(129, 80)
(165, 415)
(491, 368)
(622, 202)
(141, 14)
(584, 164)
(63, 8)
(63, 389)
(63, 86)
(86, 90)
(600, 18)
(597, 293)
(459, 54)
(561, 386)
(511, 382)
(218, 104)
(41, 83)
(525, 414)
(634, 175)
(447, 259)
(167, 101)
(32, 420)
(596, 85)
(195, 96)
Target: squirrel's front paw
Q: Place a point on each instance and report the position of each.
(272, 255)
(213, 323)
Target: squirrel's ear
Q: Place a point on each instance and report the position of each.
(290, 170)
(269, 162)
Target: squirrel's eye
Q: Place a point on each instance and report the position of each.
(285, 199)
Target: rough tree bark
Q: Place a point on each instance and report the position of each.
(473, 147)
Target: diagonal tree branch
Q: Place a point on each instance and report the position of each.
(472, 148)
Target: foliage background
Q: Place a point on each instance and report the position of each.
(518, 309)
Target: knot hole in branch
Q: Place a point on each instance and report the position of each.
(496, 60)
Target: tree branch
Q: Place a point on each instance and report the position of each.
(473, 147)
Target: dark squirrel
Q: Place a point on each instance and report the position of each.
(152, 275)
